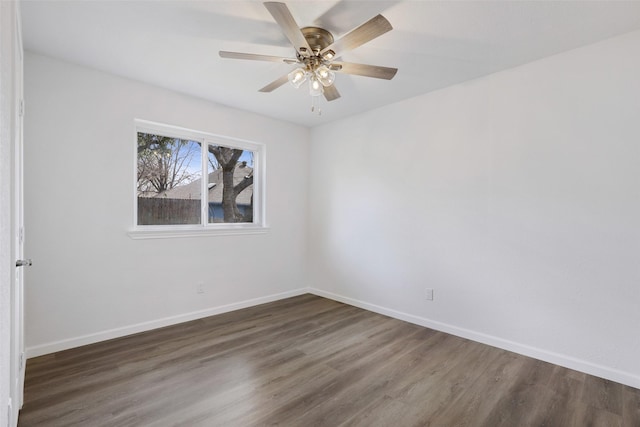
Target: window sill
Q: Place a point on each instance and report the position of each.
(172, 233)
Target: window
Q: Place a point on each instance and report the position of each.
(190, 182)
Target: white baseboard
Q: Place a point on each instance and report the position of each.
(66, 344)
(537, 353)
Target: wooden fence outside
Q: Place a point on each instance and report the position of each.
(162, 211)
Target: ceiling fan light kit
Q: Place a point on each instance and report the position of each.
(297, 77)
(316, 50)
(325, 75)
(319, 78)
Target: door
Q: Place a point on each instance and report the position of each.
(18, 361)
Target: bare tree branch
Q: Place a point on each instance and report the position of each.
(162, 163)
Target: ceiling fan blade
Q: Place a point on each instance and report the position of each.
(289, 27)
(256, 57)
(331, 93)
(375, 71)
(275, 84)
(376, 26)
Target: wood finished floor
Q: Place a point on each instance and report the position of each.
(309, 361)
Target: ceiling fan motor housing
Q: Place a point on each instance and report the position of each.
(318, 38)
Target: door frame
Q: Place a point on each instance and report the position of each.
(19, 359)
(11, 341)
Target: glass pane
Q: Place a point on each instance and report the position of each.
(230, 184)
(169, 180)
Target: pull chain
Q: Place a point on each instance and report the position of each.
(314, 105)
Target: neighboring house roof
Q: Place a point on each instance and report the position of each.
(193, 189)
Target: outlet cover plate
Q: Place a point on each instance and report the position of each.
(429, 294)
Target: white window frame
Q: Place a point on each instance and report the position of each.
(258, 226)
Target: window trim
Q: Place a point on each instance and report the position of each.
(259, 224)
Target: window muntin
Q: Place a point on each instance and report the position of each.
(171, 193)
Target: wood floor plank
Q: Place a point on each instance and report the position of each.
(378, 374)
(603, 394)
(563, 391)
(631, 406)
(354, 365)
(476, 403)
(309, 361)
(519, 405)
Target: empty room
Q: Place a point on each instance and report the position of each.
(320, 213)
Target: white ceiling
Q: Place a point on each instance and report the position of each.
(434, 44)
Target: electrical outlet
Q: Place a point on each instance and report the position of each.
(200, 288)
(429, 294)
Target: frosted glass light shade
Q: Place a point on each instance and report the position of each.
(297, 77)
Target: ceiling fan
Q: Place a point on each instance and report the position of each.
(317, 51)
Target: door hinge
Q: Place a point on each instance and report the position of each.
(21, 235)
(21, 108)
(21, 361)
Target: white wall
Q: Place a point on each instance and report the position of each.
(90, 281)
(515, 196)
